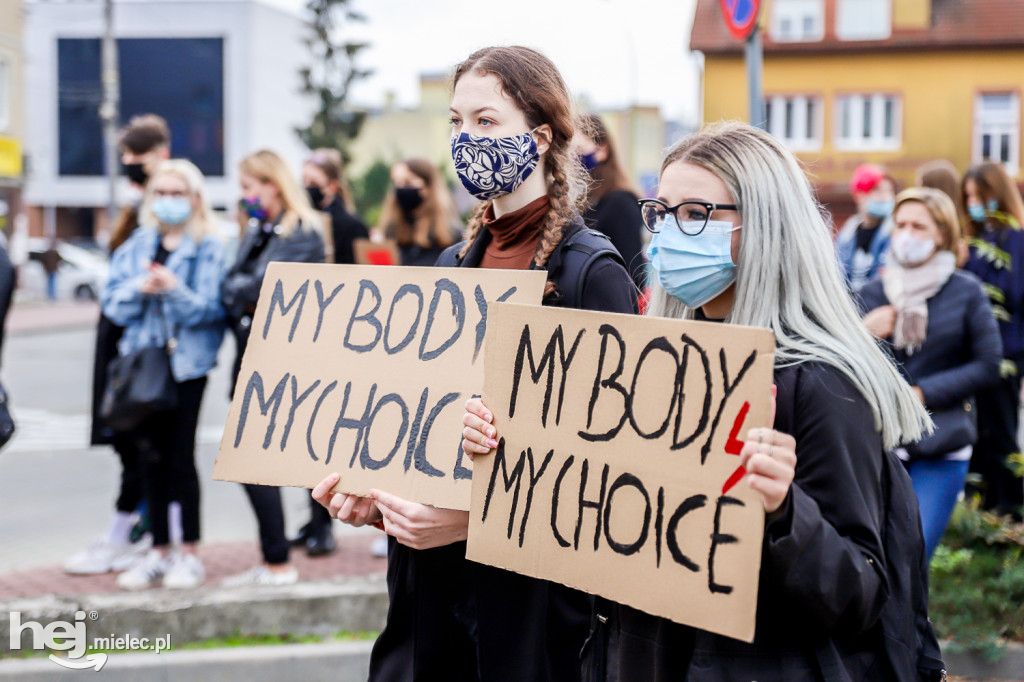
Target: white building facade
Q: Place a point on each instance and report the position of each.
(169, 51)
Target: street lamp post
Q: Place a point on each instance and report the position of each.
(109, 106)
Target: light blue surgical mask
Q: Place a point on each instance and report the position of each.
(694, 269)
(172, 210)
(881, 208)
(977, 212)
(993, 205)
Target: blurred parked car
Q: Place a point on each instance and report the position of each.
(81, 275)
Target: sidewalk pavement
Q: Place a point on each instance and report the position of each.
(220, 561)
(41, 316)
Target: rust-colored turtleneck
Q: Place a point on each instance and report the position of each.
(514, 235)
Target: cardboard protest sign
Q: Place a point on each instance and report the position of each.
(364, 371)
(617, 468)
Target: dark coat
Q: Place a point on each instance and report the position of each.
(241, 288)
(7, 281)
(962, 350)
(454, 619)
(822, 562)
(345, 229)
(1000, 264)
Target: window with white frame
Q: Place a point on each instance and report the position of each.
(997, 129)
(863, 19)
(868, 122)
(796, 120)
(797, 20)
(5, 93)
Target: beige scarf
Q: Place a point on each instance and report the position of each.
(908, 290)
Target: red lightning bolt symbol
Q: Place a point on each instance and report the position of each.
(733, 446)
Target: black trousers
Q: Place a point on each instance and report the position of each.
(456, 620)
(125, 444)
(133, 482)
(167, 448)
(319, 518)
(266, 503)
(998, 420)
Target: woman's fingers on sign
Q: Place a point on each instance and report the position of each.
(322, 492)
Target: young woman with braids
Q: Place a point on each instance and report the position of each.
(450, 618)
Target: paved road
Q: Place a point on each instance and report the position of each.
(56, 493)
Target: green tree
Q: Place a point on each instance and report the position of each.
(370, 189)
(330, 77)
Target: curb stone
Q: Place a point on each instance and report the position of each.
(964, 664)
(308, 608)
(335, 661)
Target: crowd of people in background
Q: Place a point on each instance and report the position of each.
(910, 313)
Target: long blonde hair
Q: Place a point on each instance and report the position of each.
(788, 278)
(267, 166)
(200, 223)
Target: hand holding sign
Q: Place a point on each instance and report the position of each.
(351, 509)
(420, 526)
(769, 458)
(478, 438)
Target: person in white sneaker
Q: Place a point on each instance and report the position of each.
(264, 575)
(110, 552)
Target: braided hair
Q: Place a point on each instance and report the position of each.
(531, 80)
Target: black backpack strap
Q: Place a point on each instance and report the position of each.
(449, 258)
(571, 262)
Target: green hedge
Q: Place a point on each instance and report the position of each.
(977, 582)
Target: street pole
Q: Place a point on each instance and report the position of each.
(753, 55)
(109, 108)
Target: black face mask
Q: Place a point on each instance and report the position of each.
(136, 173)
(409, 198)
(316, 195)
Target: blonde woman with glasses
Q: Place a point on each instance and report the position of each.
(739, 239)
(165, 283)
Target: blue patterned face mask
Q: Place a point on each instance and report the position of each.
(491, 167)
(976, 212)
(694, 269)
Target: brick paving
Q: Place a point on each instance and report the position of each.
(41, 316)
(220, 560)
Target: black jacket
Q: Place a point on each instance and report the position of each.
(241, 288)
(345, 228)
(7, 281)
(822, 563)
(618, 216)
(454, 619)
(962, 350)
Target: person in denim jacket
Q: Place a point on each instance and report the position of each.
(164, 289)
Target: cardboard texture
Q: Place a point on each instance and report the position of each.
(364, 371)
(618, 436)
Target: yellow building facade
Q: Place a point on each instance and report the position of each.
(12, 118)
(933, 80)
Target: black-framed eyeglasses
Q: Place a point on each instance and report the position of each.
(692, 218)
